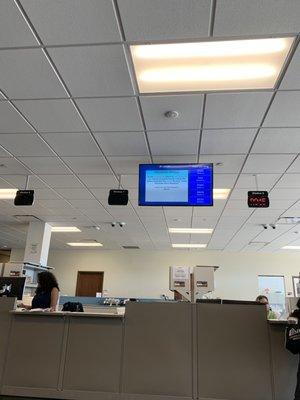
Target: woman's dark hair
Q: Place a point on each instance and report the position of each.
(296, 313)
(261, 297)
(46, 282)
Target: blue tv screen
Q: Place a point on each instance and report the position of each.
(176, 185)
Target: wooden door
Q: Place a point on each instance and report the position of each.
(89, 283)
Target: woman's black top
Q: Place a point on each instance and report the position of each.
(41, 300)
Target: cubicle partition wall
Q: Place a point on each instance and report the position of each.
(6, 304)
(158, 351)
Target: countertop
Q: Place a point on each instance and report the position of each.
(68, 314)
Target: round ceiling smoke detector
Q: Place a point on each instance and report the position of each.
(171, 114)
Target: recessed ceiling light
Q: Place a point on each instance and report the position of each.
(191, 230)
(189, 245)
(221, 194)
(6, 194)
(212, 65)
(65, 229)
(85, 244)
(291, 248)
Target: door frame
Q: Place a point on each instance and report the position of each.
(88, 272)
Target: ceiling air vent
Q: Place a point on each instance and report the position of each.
(131, 247)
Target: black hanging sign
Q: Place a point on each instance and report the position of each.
(258, 199)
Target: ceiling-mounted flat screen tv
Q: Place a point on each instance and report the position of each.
(176, 185)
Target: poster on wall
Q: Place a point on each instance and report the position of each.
(296, 286)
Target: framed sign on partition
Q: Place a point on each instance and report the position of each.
(296, 286)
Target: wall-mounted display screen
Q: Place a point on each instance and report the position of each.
(176, 185)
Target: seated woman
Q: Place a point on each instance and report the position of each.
(264, 300)
(47, 292)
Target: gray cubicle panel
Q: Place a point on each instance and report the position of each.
(34, 354)
(284, 364)
(6, 304)
(93, 355)
(233, 352)
(158, 350)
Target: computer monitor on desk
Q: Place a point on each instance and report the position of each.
(12, 287)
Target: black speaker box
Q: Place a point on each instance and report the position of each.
(118, 197)
(24, 198)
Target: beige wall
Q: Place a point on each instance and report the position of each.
(136, 273)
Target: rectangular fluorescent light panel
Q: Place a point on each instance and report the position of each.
(65, 229)
(189, 245)
(291, 248)
(211, 65)
(191, 230)
(6, 194)
(85, 244)
(221, 194)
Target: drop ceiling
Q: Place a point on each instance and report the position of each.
(72, 118)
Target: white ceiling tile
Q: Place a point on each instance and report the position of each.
(25, 144)
(102, 193)
(122, 143)
(284, 111)
(45, 194)
(189, 108)
(291, 78)
(130, 181)
(75, 193)
(264, 181)
(72, 144)
(164, 19)
(27, 74)
(256, 17)
(93, 70)
(87, 165)
(235, 110)
(52, 115)
(295, 167)
(224, 180)
(85, 203)
(11, 120)
(173, 142)
(172, 212)
(237, 212)
(267, 163)
(289, 181)
(99, 181)
(61, 181)
(45, 165)
(127, 165)
(73, 21)
(7, 181)
(281, 140)
(230, 163)
(14, 32)
(236, 141)
(10, 166)
(174, 159)
(111, 114)
(237, 201)
(3, 153)
(285, 193)
(204, 222)
(264, 216)
(229, 221)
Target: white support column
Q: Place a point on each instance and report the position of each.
(37, 243)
